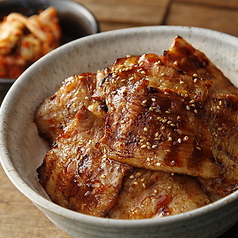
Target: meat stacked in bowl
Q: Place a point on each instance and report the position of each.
(149, 136)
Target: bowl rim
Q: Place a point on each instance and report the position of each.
(43, 203)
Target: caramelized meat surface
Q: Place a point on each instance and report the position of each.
(159, 130)
(74, 173)
(127, 71)
(148, 194)
(149, 136)
(56, 111)
(185, 57)
(223, 116)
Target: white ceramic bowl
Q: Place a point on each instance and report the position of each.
(22, 150)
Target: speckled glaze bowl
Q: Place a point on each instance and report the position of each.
(22, 150)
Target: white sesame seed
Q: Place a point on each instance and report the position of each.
(154, 146)
(158, 62)
(131, 78)
(143, 146)
(185, 138)
(145, 129)
(173, 162)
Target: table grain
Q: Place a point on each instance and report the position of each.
(19, 218)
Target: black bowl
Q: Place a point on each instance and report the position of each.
(75, 20)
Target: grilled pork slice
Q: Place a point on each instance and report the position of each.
(159, 130)
(149, 194)
(127, 71)
(185, 57)
(74, 173)
(222, 116)
(56, 111)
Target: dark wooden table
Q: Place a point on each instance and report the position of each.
(19, 218)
